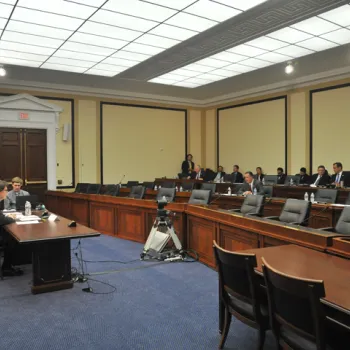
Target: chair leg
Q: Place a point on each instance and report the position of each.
(221, 316)
(261, 342)
(227, 324)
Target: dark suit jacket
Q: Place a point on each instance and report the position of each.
(323, 181)
(185, 168)
(237, 177)
(221, 175)
(305, 179)
(259, 178)
(281, 179)
(4, 220)
(342, 178)
(201, 175)
(256, 184)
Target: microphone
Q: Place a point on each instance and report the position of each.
(318, 214)
(120, 182)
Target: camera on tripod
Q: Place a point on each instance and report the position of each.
(162, 213)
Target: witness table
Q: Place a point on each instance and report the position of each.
(50, 240)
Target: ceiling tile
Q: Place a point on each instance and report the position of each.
(315, 26)
(317, 44)
(23, 56)
(340, 36)
(109, 31)
(133, 56)
(9, 2)
(5, 10)
(184, 72)
(229, 57)
(290, 35)
(212, 77)
(174, 4)
(198, 68)
(19, 62)
(225, 73)
(246, 50)
(30, 28)
(294, 51)
(211, 62)
(239, 68)
(199, 81)
(26, 48)
(155, 40)
(187, 21)
(256, 63)
(97, 40)
(123, 21)
(243, 5)
(44, 18)
(186, 84)
(173, 32)
(70, 46)
(94, 71)
(78, 55)
(340, 15)
(3, 22)
(70, 62)
(120, 62)
(110, 67)
(145, 49)
(162, 81)
(273, 57)
(62, 67)
(140, 9)
(59, 7)
(267, 43)
(93, 3)
(212, 10)
(31, 39)
(172, 76)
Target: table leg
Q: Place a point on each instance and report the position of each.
(51, 266)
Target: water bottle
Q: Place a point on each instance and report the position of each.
(312, 198)
(229, 191)
(155, 188)
(27, 209)
(181, 189)
(159, 187)
(221, 179)
(306, 197)
(291, 182)
(176, 189)
(263, 181)
(255, 192)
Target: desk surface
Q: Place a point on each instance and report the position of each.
(49, 230)
(306, 263)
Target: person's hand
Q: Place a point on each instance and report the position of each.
(188, 177)
(247, 192)
(200, 178)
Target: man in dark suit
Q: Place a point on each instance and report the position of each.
(250, 184)
(304, 178)
(220, 174)
(338, 177)
(237, 177)
(187, 166)
(7, 240)
(321, 178)
(281, 176)
(198, 173)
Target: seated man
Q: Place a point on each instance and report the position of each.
(281, 177)
(237, 177)
(250, 185)
(7, 241)
(338, 177)
(198, 173)
(10, 200)
(220, 174)
(321, 178)
(304, 179)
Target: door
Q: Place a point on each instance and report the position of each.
(23, 153)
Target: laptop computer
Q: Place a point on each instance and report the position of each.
(21, 202)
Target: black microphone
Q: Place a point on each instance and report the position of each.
(327, 205)
(120, 182)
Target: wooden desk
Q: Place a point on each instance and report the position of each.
(51, 263)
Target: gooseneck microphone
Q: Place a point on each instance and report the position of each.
(120, 182)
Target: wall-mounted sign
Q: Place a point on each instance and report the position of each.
(24, 116)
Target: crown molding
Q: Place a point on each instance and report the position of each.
(287, 85)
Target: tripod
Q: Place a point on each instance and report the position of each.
(162, 231)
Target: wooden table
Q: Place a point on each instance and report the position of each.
(50, 240)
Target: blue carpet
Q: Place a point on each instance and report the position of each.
(155, 306)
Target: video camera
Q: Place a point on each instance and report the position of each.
(161, 212)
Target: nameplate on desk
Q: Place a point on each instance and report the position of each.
(52, 217)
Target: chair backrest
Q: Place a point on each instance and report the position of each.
(326, 195)
(148, 185)
(137, 192)
(270, 179)
(343, 223)
(253, 204)
(295, 179)
(268, 190)
(296, 211)
(81, 187)
(348, 199)
(295, 307)
(168, 184)
(187, 186)
(207, 186)
(93, 189)
(228, 178)
(129, 184)
(111, 190)
(200, 197)
(168, 193)
(237, 279)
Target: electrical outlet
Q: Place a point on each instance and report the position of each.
(59, 182)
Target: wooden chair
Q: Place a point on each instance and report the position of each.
(240, 292)
(296, 313)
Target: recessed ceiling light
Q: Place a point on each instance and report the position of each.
(2, 71)
(289, 69)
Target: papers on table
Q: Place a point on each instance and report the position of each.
(27, 222)
(29, 218)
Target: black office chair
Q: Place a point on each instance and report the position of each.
(295, 211)
(347, 202)
(268, 190)
(148, 185)
(228, 178)
(207, 186)
(81, 187)
(137, 192)
(296, 313)
(93, 189)
(295, 179)
(200, 197)
(270, 179)
(326, 195)
(111, 190)
(187, 186)
(343, 224)
(240, 292)
(130, 184)
(252, 205)
(168, 184)
(168, 193)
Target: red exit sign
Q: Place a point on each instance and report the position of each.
(24, 116)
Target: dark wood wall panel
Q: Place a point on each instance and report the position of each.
(131, 224)
(102, 218)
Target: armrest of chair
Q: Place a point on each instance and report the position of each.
(329, 229)
(272, 217)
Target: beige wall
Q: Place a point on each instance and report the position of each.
(210, 137)
(142, 143)
(194, 135)
(253, 135)
(331, 125)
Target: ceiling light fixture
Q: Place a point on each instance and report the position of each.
(2, 71)
(289, 68)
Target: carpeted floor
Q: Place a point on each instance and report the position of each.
(154, 306)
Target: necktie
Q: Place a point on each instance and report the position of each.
(251, 186)
(317, 181)
(337, 179)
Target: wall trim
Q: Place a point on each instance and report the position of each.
(102, 103)
(284, 97)
(311, 93)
